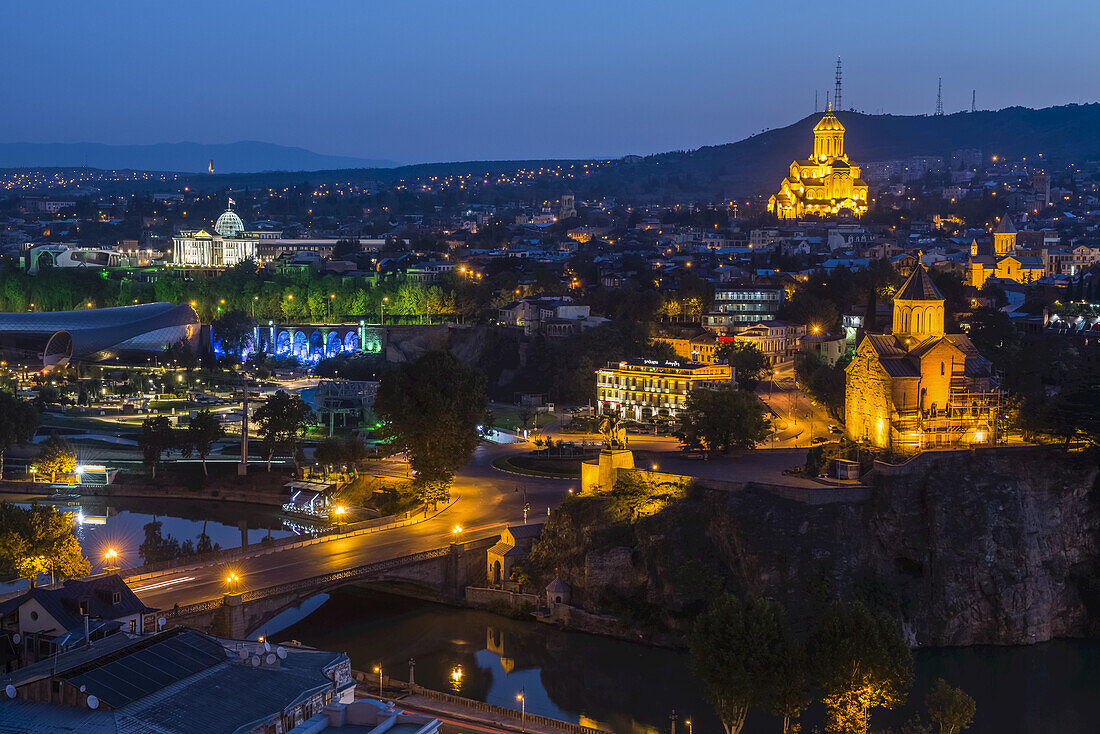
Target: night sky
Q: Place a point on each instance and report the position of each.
(416, 81)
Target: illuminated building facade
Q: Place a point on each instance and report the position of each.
(230, 243)
(919, 387)
(825, 184)
(1007, 261)
(646, 389)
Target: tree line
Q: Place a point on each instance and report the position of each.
(854, 661)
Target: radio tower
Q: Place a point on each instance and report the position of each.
(836, 94)
(939, 98)
(973, 100)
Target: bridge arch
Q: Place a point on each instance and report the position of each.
(298, 344)
(351, 341)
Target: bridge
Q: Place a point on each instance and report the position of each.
(441, 572)
(424, 553)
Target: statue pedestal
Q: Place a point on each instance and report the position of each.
(599, 475)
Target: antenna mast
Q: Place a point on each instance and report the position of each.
(939, 97)
(973, 100)
(836, 95)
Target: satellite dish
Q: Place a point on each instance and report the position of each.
(10, 690)
(255, 661)
(161, 621)
(243, 654)
(83, 688)
(281, 652)
(267, 647)
(17, 638)
(270, 659)
(93, 702)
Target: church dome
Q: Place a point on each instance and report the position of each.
(229, 224)
(829, 123)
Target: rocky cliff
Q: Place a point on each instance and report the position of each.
(997, 547)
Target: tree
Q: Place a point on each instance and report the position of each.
(432, 409)
(749, 363)
(156, 547)
(55, 457)
(432, 490)
(202, 432)
(234, 330)
(157, 436)
(282, 419)
(950, 707)
(789, 687)
(18, 422)
(731, 652)
(860, 661)
(37, 540)
(723, 419)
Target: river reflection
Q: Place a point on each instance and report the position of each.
(630, 689)
(119, 523)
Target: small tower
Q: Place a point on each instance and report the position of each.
(939, 98)
(1004, 237)
(918, 309)
(568, 208)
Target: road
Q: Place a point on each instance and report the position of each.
(489, 499)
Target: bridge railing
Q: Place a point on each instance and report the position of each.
(310, 584)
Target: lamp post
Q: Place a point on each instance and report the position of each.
(254, 299)
(688, 722)
(522, 710)
(109, 557)
(382, 305)
(378, 669)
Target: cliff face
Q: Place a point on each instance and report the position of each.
(993, 548)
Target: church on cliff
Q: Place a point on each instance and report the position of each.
(919, 387)
(826, 184)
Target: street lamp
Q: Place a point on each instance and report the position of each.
(688, 722)
(109, 556)
(522, 710)
(232, 581)
(254, 299)
(382, 304)
(378, 669)
(331, 306)
(456, 532)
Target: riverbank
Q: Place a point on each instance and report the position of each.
(630, 688)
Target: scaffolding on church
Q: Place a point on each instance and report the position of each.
(970, 417)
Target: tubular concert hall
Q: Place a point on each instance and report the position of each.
(61, 336)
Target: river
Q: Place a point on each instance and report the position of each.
(119, 523)
(632, 689)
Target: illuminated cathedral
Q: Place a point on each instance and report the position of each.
(825, 184)
(919, 387)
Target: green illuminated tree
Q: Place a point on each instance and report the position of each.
(732, 647)
(18, 422)
(39, 540)
(950, 707)
(432, 409)
(55, 457)
(860, 661)
(722, 420)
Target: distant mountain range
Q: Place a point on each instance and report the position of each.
(758, 163)
(247, 156)
(754, 165)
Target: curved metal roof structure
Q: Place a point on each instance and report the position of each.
(229, 224)
(61, 336)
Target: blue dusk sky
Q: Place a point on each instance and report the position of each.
(414, 81)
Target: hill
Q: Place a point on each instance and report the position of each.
(758, 163)
(247, 156)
